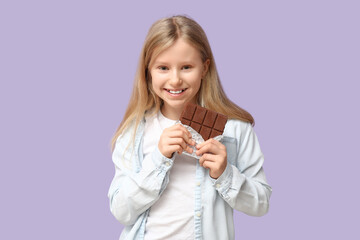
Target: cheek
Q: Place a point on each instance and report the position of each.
(155, 80)
(158, 79)
(195, 79)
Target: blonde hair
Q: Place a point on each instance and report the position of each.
(163, 34)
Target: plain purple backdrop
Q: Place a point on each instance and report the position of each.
(67, 68)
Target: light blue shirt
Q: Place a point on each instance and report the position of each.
(242, 186)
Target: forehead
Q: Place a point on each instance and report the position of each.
(181, 50)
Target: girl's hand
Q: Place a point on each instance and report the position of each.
(214, 157)
(175, 139)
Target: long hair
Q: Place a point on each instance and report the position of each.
(162, 35)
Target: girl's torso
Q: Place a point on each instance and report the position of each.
(172, 216)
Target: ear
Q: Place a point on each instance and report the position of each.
(206, 67)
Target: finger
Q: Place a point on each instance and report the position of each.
(208, 164)
(189, 149)
(183, 134)
(187, 134)
(208, 157)
(205, 158)
(211, 140)
(210, 147)
(177, 141)
(174, 148)
(182, 128)
(201, 161)
(216, 146)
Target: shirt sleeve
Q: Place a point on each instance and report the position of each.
(132, 192)
(244, 186)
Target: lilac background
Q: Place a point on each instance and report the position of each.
(66, 70)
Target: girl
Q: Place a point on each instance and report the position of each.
(159, 193)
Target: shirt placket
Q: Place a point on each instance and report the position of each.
(198, 210)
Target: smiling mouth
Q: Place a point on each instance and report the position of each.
(175, 91)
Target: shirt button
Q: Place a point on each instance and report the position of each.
(198, 214)
(217, 185)
(198, 183)
(167, 164)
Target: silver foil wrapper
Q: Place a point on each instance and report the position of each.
(197, 138)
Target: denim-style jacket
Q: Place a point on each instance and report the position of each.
(242, 186)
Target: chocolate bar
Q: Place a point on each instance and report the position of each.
(206, 122)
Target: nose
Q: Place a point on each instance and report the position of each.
(175, 79)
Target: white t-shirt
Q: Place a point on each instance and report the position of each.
(172, 215)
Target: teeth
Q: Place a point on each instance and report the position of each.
(175, 92)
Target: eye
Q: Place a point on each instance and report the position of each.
(186, 67)
(162, 68)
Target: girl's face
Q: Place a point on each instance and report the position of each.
(176, 76)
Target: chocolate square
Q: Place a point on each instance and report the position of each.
(206, 122)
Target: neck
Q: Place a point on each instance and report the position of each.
(171, 113)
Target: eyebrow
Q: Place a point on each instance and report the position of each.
(165, 63)
(160, 63)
